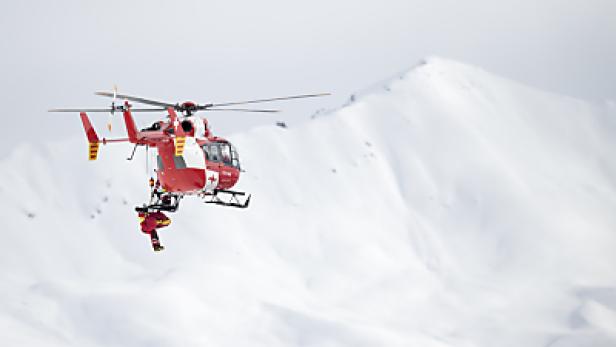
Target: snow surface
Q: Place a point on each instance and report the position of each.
(447, 207)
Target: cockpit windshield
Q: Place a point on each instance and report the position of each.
(222, 152)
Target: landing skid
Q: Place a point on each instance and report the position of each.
(232, 201)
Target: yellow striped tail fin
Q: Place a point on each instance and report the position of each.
(93, 147)
(179, 145)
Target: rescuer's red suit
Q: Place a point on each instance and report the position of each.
(150, 222)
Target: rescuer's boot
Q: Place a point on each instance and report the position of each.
(156, 242)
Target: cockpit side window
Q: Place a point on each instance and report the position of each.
(159, 162)
(206, 150)
(212, 152)
(222, 152)
(225, 150)
(215, 151)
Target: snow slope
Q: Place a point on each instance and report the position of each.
(448, 207)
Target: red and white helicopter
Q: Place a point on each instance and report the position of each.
(191, 160)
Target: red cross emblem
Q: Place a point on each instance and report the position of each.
(212, 179)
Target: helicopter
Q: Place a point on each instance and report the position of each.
(191, 160)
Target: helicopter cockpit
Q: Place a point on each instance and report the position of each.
(222, 152)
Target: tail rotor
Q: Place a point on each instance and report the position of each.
(113, 106)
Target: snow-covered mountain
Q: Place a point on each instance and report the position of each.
(447, 207)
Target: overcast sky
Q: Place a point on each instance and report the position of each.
(57, 53)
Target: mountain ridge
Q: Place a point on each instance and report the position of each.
(453, 207)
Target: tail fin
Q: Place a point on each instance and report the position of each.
(87, 126)
(131, 128)
(93, 139)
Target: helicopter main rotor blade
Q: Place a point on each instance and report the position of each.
(119, 108)
(148, 109)
(242, 110)
(136, 99)
(268, 100)
(80, 110)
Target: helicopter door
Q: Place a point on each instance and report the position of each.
(211, 152)
(192, 156)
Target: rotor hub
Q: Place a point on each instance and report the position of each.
(188, 108)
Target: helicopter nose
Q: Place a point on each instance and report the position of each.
(228, 177)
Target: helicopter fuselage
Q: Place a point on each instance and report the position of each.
(190, 159)
(202, 167)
